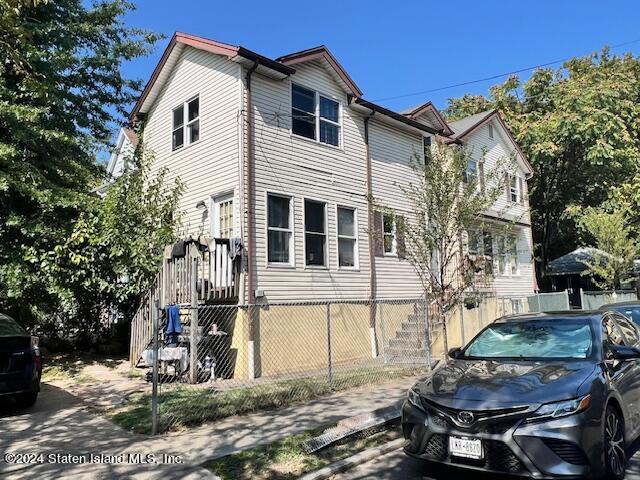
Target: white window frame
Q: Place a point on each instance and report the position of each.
(216, 201)
(186, 138)
(476, 175)
(292, 254)
(490, 128)
(506, 254)
(514, 189)
(356, 244)
(393, 233)
(325, 266)
(318, 118)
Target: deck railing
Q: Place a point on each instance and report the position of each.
(217, 280)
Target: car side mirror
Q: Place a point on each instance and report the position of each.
(621, 352)
(455, 352)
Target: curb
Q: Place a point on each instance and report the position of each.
(354, 460)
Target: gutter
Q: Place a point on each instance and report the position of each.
(398, 117)
(372, 253)
(250, 218)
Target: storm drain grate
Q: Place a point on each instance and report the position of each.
(351, 426)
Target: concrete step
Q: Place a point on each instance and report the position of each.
(405, 342)
(405, 360)
(405, 352)
(413, 327)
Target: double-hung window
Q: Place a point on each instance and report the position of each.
(280, 235)
(480, 243)
(514, 195)
(507, 255)
(315, 116)
(389, 234)
(315, 233)
(426, 149)
(347, 237)
(471, 172)
(186, 130)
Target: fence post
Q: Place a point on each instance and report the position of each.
(384, 338)
(329, 360)
(582, 299)
(193, 340)
(427, 339)
(566, 296)
(462, 342)
(154, 385)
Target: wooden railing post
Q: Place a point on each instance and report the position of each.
(193, 359)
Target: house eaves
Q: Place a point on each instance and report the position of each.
(179, 41)
(324, 56)
(397, 117)
(429, 109)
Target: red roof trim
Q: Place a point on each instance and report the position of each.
(428, 106)
(321, 52)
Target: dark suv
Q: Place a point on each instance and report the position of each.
(20, 363)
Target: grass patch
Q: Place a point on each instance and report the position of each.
(71, 366)
(187, 405)
(286, 458)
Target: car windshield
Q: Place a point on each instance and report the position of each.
(558, 338)
(629, 311)
(9, 328)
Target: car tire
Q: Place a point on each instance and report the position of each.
(26, 400)
(615, 456)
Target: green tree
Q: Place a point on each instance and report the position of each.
(114, 247)
(62, 91)
(578, 125)
(616, 249)
(445, 204)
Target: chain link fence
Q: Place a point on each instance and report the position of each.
(253, 357)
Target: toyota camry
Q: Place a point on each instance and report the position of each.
(549, 395)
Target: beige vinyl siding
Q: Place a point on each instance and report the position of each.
(210, 166)
(496, 149)
(391, 151)
(302, 168)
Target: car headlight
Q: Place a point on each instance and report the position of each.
(414, 398)
(560, 409)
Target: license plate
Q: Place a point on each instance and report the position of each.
(465, 447)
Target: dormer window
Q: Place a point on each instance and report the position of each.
(186, 130)
(315, 116)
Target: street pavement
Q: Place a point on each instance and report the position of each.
(398, 466)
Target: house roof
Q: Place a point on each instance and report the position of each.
(572, 263)
(463, 127)
(431, 112)
(322, 54)
(399, 117)
(171, 54)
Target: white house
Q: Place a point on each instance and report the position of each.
(285, 154)
(121, 155)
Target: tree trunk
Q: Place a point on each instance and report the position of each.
(445, 343)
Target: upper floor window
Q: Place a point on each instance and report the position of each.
(471, 172)
(315, 233)
(347, 237)
(490, 128)
(516, 189)
(507, 255)
(186, 130)
(279, 226)
(314, 116)
(389, 234)
(426, 148)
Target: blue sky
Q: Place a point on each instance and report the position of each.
(397, 48)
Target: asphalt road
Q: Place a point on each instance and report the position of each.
(397, 466)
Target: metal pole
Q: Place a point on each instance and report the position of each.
(329, 360)
(193, 343)
(462, 325)
(427, 338)
(154, 388)
(384, 339)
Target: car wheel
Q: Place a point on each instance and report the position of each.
(26, 400)
(615, 455)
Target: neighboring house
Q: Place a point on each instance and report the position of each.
(121, 157)
(285, 154)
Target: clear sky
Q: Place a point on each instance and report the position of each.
(394, 48)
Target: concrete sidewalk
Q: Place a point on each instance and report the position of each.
(61, 424)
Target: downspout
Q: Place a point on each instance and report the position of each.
(250, 226)
(372, 251)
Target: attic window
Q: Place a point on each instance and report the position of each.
(490, 130)
(315, 116)
(426, 148)
(186, 131)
